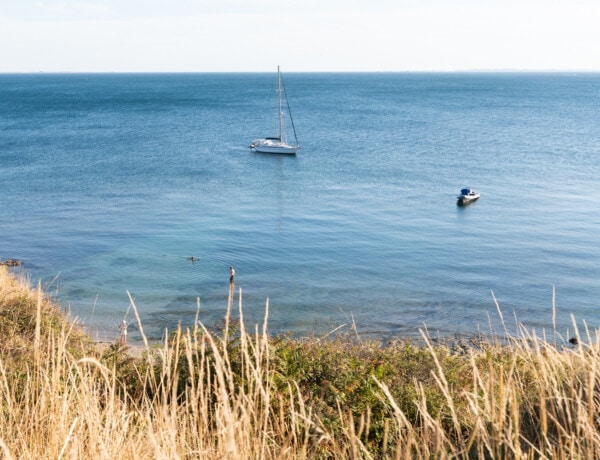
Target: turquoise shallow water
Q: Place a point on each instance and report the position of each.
(110, 183)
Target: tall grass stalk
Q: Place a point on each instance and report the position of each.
(239, 394)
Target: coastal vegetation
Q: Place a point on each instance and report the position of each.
(232, 392)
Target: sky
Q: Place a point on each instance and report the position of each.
(299, 35)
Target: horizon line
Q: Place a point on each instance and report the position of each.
(498, 70)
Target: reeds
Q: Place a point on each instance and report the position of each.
(238, 393)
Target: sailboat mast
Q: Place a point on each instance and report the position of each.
(287, 102)
(280, 105)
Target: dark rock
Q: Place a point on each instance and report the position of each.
(10, 262)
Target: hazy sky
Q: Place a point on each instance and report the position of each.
(299, 35)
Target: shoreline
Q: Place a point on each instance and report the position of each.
(458, 343)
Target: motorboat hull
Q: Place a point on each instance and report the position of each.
(467, 196)
(466, 200)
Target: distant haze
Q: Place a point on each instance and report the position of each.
(299, 35)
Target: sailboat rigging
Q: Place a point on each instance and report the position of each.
(280, 143)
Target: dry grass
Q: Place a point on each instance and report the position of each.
(240, 394)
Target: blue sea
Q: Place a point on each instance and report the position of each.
(111, 182)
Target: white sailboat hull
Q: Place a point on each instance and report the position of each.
(280, 150)
(274, 147)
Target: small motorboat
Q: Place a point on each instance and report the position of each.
(467, 196)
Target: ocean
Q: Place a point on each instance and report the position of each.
(111, 182)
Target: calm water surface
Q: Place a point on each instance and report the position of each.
(111, 182)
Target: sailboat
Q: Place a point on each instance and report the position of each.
(280, 143)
